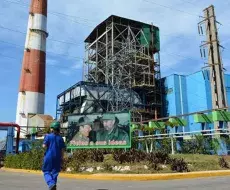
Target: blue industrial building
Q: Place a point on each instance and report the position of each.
(188, 94)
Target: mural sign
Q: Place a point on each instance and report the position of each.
(108, 130)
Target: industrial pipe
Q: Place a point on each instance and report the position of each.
(18, 132)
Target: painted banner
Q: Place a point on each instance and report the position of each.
(108, 130)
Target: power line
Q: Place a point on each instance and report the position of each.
(189, 2)
(71, 67)
(85, 22)
(57, 66)
(49, 39)
(8, 56)
(13, 30)
(172, 8)
(178, 55)
(63, 14)
(63, 55)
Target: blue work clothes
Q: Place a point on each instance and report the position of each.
(53, 155)
(51, 178)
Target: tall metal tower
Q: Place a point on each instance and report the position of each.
(31, 97)
(218, 90)
(124, 54)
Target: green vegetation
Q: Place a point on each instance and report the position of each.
(29, 160)
(193, 156)
(117, 161)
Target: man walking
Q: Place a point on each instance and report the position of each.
(53, 158)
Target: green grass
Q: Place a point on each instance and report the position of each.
(197, 162)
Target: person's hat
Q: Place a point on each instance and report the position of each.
(55, 125)
(108, 117)
(84, 121)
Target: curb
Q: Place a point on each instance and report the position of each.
(131, 177)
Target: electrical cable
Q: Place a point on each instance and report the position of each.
(49, 39)
(172, 8)
(86, 20)
(56, 66)
(189, 2)
(51, 12)
(73, 66)
(63, 55)
(80, 58)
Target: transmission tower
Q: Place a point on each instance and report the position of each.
(218, 91)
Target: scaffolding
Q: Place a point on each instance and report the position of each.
(124, 54)
(121, 71)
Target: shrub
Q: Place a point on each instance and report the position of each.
(76, 160)
(75, 165)
(138, 155)
(156, 158)
(166, 145)
(223, 163)
(159, 157)
(119, 156)
(163, 157)
(194, 146)
(107, 167)
(81, 155)
(97, 156)
(29, 160)
(108, 163)
(179, 165)
(2, 157)
(130, 156)
(200, 145)
(153, 162)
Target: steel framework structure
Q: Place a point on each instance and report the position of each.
(121, 72)
(124, 54)
(87, 98)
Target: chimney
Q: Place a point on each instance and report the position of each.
(31, 96)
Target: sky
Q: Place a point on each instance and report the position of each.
(71, 21)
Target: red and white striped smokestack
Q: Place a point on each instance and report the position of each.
(31, 97)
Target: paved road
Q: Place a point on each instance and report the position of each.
(15, 181)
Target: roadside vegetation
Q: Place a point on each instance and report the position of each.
(197, 158)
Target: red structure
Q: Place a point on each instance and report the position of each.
(31, 97)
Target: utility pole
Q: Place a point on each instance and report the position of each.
(218, 91)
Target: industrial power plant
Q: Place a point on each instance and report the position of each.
(122, 82)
